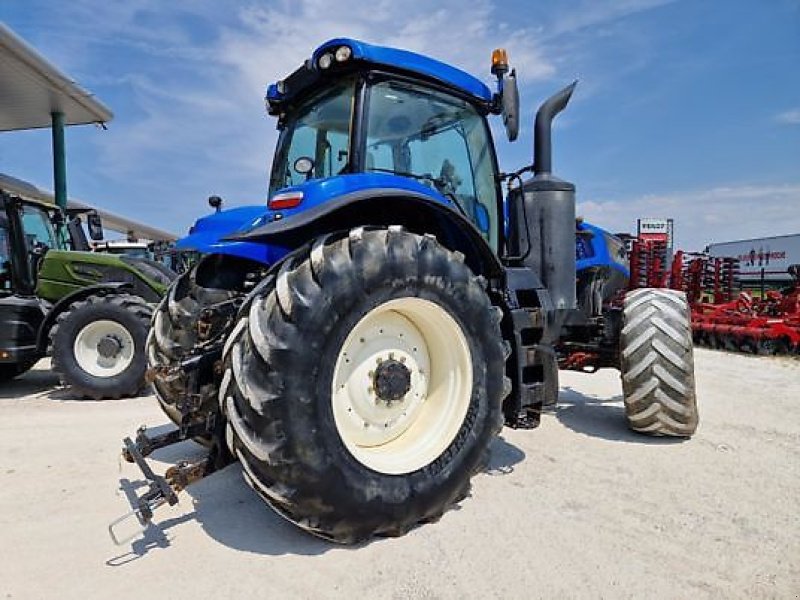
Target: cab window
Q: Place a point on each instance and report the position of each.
(439, 140)
(319, 130)
(38, 228)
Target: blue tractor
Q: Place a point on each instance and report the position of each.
(359, 343)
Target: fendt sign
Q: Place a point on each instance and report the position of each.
(659, 230)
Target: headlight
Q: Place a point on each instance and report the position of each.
(325, 60)
(343, 53)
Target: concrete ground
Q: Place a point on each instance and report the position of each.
(580, 507)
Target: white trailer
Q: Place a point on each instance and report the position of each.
(762, 257)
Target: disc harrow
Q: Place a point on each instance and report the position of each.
(724, 317)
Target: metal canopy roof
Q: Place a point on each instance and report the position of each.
(31, 89)
(111, 221)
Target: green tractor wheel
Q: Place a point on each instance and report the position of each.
(98, 346)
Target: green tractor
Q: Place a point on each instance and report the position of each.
(90, 311)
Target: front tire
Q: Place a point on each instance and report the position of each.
(364, 384)
(657, 363)
(98, 345)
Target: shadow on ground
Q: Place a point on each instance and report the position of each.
(231, 513)
(67, 394)
(601, 417)
(33, 382)
(44, 383)
(502, 457)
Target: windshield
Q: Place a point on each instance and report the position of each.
(38, 228)
(439, 140)
(318, 130)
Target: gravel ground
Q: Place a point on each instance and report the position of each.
(580, 507)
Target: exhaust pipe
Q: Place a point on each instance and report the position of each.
(542, 136)
(543, 214)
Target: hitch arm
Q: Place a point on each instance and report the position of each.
(158, 492)
(161, 490)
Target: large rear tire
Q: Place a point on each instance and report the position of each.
(657, 363)
(173, 336)
(98, 345)
(364, 384)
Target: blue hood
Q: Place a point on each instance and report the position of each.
(206, 235)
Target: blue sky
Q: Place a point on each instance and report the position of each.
(685, 109)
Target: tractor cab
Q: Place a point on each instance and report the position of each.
(28, 230)
(353, 112)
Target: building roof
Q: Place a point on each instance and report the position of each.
(31, 89)
(111, 221)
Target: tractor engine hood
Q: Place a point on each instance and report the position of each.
(343, 202)
(303, 203)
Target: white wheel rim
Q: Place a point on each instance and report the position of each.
(88, 355)
(406, 434)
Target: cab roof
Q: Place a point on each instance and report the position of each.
(392, 59)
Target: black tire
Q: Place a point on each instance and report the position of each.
(281, 421)
(173, 336)
(9, 371)
(132, 313)
(657, 363)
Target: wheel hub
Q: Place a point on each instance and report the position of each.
(401, 385)
(109, 347)
(103, 348)
(392, 380)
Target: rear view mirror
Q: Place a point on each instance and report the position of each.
(510, 105)
(303, 165)
(95, 226)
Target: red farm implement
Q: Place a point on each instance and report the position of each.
(725, 318)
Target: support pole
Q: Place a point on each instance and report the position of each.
(59, 171)
(59, 161)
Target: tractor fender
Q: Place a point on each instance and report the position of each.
(382, 207)
(43, 337)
